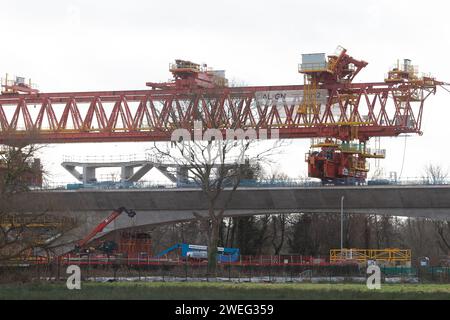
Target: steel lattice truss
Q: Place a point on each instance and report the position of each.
(346, 111)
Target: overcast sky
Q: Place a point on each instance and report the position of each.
(107, 45)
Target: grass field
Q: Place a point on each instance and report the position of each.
(186, 291)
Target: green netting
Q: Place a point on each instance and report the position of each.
(398, 271)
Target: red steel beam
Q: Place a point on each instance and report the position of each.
(355, 110)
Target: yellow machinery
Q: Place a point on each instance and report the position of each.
(389, 256)
(36, 229)
(34, 221)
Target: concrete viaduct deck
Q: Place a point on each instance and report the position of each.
(156, 206)
(170, 205)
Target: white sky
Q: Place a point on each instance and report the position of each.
(105, 45)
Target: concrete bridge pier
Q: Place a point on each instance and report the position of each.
(182, 175)
(88, 174)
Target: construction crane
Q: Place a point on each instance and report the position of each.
(329, 107)
(107, 247)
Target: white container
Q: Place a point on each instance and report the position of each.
(313, 61)
(20, 80)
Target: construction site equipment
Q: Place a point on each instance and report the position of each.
(191, 251)
(190, 75)
(374, 108)
(16, 85)
(107, 246)
(343, 160)
(390, 256)
(340, 162)
(135, 244)
(328, 105)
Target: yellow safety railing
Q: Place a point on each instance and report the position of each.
(185, 65)
(363, 255)
(352, 147)
(374, 153)
(28, 221)
(312, 67)
(360, 166)
(324, 142)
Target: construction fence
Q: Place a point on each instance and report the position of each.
(225, 272)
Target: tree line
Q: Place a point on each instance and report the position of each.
(315, 234)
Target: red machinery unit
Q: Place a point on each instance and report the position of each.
(340, 163)
(17, 85)
(190, 75)
(99, 228)
(130, 243)
(135, 243)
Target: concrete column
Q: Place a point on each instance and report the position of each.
(182, 174)
(89, 174)
(126, 173)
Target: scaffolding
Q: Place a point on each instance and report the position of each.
(383, 256)
(35, 221)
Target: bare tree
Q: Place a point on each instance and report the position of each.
(278, 232)
(434, 174)
(214, 165)
(443, 232)
(22, 235)
(278, 221)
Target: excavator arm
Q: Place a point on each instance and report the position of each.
(99, 228)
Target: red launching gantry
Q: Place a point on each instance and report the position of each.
(340, 115)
